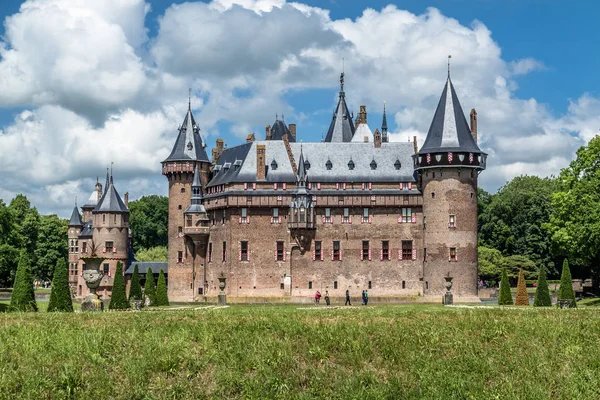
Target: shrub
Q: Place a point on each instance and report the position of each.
(505, 298)
(162, 297)
(522, 298)
(542, 294)
(60, 297)
(23, 297)
(565, 292)
(149, 288)
(118, 299)
(135, 289)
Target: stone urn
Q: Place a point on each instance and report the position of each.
(448, 295)
(222, 297)
(92, 277)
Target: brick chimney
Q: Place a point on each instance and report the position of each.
(292, 128)
(415, 144)
(250, 138)
(216, 152)
(362, 115)
(474, 124)
(126, 199)
(268, 132)
(260, 162)
(376, 136)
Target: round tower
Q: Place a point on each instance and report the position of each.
(448, 165)
(75, 227)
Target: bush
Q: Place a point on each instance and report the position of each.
(149, 288)
(118, 299)
(542, 294)
(135, 289)
(522, 298)
(565, 292)
(162, 297)
(60, 297)
(505, 298)
(23, 297)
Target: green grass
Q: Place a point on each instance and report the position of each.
(264, 352)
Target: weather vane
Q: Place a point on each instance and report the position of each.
(449, 57)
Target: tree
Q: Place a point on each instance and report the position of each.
(23, 297)
(118, 299)
(9, 246)
(149, 288)
(513, 264)
(542, 294)
(149, 222)
(565, 292)
(135, 289)
(52, 245)
(490, 264)
(162, 298)
(159, 253)
(60, 297)
(522, 298)
(505, 298)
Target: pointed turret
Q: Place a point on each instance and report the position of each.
(75, 220)
(384, 127)
(342, 126)
(189, 145)
(196, 219)
(196, 203)
(301, 181)
(111, 201)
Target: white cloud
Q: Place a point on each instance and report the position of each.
(525, 66)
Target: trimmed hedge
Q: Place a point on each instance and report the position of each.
(60, 297)
(118, 298)
(542, 294)
(162, 297)
(23, 297)
(522, 298)
(135, 290)
(565, 292)
(149, 288)
(505, 298)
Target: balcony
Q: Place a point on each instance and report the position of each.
(197, 230)
(301, 225)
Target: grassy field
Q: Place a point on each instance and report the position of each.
(262, 352)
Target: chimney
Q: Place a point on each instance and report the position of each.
(415, 144)
(293, 131)
(250, 138)
(260, 162)
(126, 199)
(99, 190)
(474, 124)
(362, 115)
(376, 136)
(268, 132)
(216, 152)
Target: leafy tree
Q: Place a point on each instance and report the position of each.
(162, 298)
(565, 292)
(522, 298)
(23, 297)
(52, 245)
(159, 253)
(60, 297)
(135, 289)
(513, 264)
(490, 264)
(118, 299)
(542, 294)
(505, 298)
(149, 221)
(149, 288)
(9, 245)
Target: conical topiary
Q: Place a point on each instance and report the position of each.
(522, 298)
(505, 298)
(565, 292)
(23, 297)
(118, 299)
(542, 294)
(135, 290)
(162, 298)
(149, 288)
(60, 297)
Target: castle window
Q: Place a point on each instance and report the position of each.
(210, 252)
(179, 257)
(106, 268)
(188, 222)
(279, 253)
(276, 186)
(244, 215)
(373, 165)
(370, 286)
(318, 254)
(397, 164)
(243, 250)
(403, 284)
(404, 185)
(328, 165)
(425, 254)
(452, 256)
(385, 250)
(351, 164)
(180, 228)
(103, 218)
(179, 207)
(310, 284)
(224, 253)
(182, 190)
(433, 195)
(366, 219)
(407, 249)
(328, 215)
(115, 219)
(426, 285)
(452, 221)
(366, 251)
(108, 246)
(281, 286)
(84, 247)
(433, 175)
(223, 216)
(275, 218)
(336, 253)
(335, 285)
(274, 165)
(406, 215)
(346, 215)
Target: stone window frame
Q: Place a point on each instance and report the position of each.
(452, 221)
(336, 250)
(244, 251)
(453, 254)
(386, 254)
(365, 251)
(280, 250)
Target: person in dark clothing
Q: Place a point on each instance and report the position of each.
(327, 297)
(347, 298)
(366, 297)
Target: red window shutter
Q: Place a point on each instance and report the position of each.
(413, 218)
(318, 186)
(114, 249)
(409, 185)
(322, 254)
(344, 186)
(240, 254)
(279, 219)
(309, 185)
(400, 219)
(456, 256)
(332, 254)
(247, 219)
(284, 185)
(370, 185)
(449, 259)
(314, 253)
(400, 254)
(400, 186)
(240, 220)
(323, 219)
(370, 219)
(337, 186)
(109, 273)
(275, 252)
(248, 254)
(272, 220)
(253, 186)
(245, 186)
(414, 253)
(275, 186)
(284, 254)
(342, 219)
(381, 255)
(104, 249)
(363, 186)
(350, 219)
(370, 254)
(362, 256)
(332, 219)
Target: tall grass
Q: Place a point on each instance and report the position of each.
(285, 353)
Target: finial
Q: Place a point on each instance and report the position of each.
(384, 106)
(276, 117)
(342, 82)
(190, 99)
(111, 172)
(282, 117)
(449, 57)
(75, 201)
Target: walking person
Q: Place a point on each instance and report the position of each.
(366, 297)
(327, 297)
(347, 298)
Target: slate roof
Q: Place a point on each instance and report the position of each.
(449, 130)
(111, 201)
(189, 145)
(342, 127)
(196, 204)
(362, 131)
(143, 267)
(92, 200)
(75, 218)
(279, 129)
(88, 229)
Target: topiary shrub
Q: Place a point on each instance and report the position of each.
(542, 294)
(118, 299)
(60, 296)
(522, 298)
(23, 297)
(566, 292)
(162, 298)
(135, 289)
(505, 298)
(149, 288)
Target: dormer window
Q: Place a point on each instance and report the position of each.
(307, 165)
(397, 164)
(274, 165)
(373, 164)
(328, 165)
(351, 165)
(190, 146)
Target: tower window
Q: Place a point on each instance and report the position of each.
(179, 207)
(452, 221)
(385, 250)
(244, 215)
(243, 250)
(452, 256)
(280, 256)
(424, 254)
(224, 216)
(407, 249)
(370, 286)
(310, 284)
(179, 257)
(318, 251)
(426, 285)
(406, 215)
(433, 195)
(403, 284)
(106, 268)
(335, 285)
(328, 215)
(328, 165)
(188, 222)
(224, 254)
(182, 190)
(366, 218)
(180, 229)
(365, 250)
(346, 215)
(210, 252)
(108, 246)
(336, 251)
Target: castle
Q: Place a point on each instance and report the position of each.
(281, 219)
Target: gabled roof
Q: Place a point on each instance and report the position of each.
(88, 229)
(449, 130)
(111, 201)
(143, 267)
(189, 145)
(75, 218)
(342, 127)
(362, 131)
(279, 129)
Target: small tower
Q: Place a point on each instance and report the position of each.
(384, 127)
(75, 226)
(448, 165)
(302, 213)
(342, 126)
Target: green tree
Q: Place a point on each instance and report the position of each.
(60, 297)
(23, 297)
(158, 253)
(10, 243)
(149, 222)
(149, 288)
(542, 294)
(135, 289)
(490, 264)
(565, 292)
(52, 245)
(522, 298)
(513, 264)
(162, 297)
(118, 299)
(505, 298)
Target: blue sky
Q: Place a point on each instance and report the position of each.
(106, 81)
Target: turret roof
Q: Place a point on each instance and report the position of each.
(75, 218)
(189, 145)
(279, 129)
(342, 127)
(111, 201)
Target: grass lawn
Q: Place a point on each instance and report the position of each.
(263, 352)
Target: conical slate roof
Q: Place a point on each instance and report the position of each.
(449, 130)
(384, 126)
(111, 201)
(279, 129)
(301, 168)
(75, 218)
(342, 127)
(188, 145)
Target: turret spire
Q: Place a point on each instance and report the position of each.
(107, 181)
(449, 57)
(384, 126)
(342, 126)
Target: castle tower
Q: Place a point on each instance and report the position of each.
(448, 165)
(75, 226)
(188, 152)
(342, 127)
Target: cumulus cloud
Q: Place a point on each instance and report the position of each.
(525, 66)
